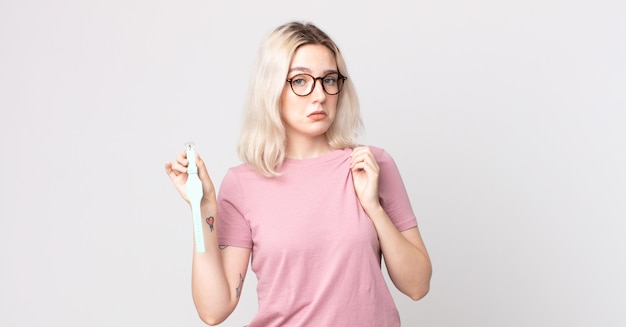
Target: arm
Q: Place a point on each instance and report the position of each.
(217, 275)
(405, 254)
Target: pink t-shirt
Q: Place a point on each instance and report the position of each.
(314, 250)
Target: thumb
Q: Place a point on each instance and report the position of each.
(202, 171)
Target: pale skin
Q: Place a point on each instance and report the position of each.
(405, 254)
(218, 274)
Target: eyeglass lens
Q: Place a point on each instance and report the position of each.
(303, 84)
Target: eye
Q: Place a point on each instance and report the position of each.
(331, 79)
(300, 80)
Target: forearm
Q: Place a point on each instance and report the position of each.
(405, 255)
(213, 296)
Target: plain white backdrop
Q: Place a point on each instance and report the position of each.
(507, 120)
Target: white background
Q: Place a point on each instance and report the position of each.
(506, 118)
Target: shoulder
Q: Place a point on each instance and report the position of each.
(379, 153)
(385, 161)
(245, 171)
(234, 175)
(240, 169)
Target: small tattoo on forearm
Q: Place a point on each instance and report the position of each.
(238, 289)
(222, 247)
(210, 221)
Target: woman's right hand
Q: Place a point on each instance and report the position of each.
(177, 172)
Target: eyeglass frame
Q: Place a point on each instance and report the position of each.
(343, 78)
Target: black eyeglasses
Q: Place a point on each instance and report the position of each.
(303, 84)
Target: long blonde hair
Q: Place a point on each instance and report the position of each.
(262, 140)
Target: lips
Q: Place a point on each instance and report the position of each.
(317, 115)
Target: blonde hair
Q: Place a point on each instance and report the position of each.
(262, 140)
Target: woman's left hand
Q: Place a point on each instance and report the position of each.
(365, 172)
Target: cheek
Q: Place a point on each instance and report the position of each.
(291, 102)
(332, 108)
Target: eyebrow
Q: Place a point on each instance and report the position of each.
(306, 70)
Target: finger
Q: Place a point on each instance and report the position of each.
(355, 156)
(367, 156)
(202, 170)
(356, 161)
(355, 152)
(170, 171)
(178, 168)
(168, 168)
(369, 166)
(181, 158)
(359, 166)
(362, 156)
(360, 150)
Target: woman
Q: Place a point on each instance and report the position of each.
(313, 209)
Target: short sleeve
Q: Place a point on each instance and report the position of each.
(392, 192)
(233, 228)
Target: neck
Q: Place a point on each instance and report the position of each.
(307, 148)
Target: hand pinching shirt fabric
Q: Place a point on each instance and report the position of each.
(314, 249)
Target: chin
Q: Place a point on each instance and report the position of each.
(320, 130)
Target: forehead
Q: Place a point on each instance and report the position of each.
(313, 58)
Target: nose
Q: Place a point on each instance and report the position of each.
(318, 88)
